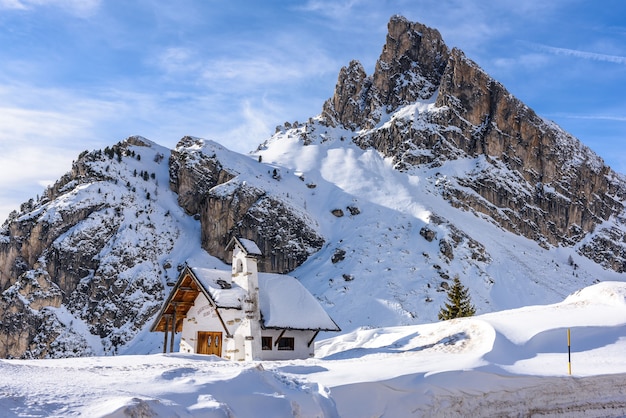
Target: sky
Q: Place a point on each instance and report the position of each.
(84, 74)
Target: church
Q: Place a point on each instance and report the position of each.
(242, 314)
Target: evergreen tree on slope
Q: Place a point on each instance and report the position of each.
(459, 303)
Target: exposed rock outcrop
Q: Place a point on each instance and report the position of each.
(192, 175)
(409, 69)
(350, 105)
(530, 176)
(230, 207)
(86, 248)
(411, 65)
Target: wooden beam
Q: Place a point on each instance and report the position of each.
(279, 337)
(313, 338)
(173, 330)
(167, 326)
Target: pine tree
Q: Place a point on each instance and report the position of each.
(459, 303)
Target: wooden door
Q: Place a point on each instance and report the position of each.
(209, 343)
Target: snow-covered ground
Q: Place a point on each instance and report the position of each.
(508, 363)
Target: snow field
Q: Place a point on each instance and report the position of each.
(509, 363)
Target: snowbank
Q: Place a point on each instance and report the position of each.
(507, 363)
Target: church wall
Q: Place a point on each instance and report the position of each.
(202, 317)
(300, 351)
(244, 324)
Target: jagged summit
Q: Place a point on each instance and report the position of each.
(556, 190)
(410, 68)
(411, 64)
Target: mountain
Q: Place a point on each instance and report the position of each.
(425, 170)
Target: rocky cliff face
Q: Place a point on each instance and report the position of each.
(84, 262)
(230, 206)
(529, 176)
(568, 188)
(410, 67)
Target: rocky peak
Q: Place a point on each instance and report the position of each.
(410, 68)
(349, 105)
(411, 65)
(530, 176)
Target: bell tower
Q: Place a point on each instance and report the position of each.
(246, 275)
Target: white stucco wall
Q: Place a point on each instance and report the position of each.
(202, 317)
(300, 351)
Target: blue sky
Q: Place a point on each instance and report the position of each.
(83, 74)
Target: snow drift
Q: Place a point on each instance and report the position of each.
(509, 363)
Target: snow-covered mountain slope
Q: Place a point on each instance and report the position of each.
(426, 170)
(111, 236)
(92, 256)
(407, 241)
(425, 105)
(509, 363)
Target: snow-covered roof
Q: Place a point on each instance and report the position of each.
(283, 300)
(219, 285)
(286, 303)
(250, 247)
(247, 245)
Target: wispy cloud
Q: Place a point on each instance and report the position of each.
(260, 65)
(81, 8)
(616, 59)
(12, 4)
(614, 118)
(43, 129)
(337, 9)
(34, 151)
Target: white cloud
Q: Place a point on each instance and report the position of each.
(41, 132)
(177, 60)
(259, 71)
(337, 9)
(531, 61)
(24, 125)
(247, 66)
(81, 8)
(12, 4)
(254, 127)
(614, 118)
(616, 59)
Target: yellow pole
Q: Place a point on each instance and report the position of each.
(569, 353)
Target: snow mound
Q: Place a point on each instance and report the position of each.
(508, 363)
(606, 293)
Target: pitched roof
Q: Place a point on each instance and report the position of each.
(218, 284)
(250, 247)
(215, 286)
(284, 302)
